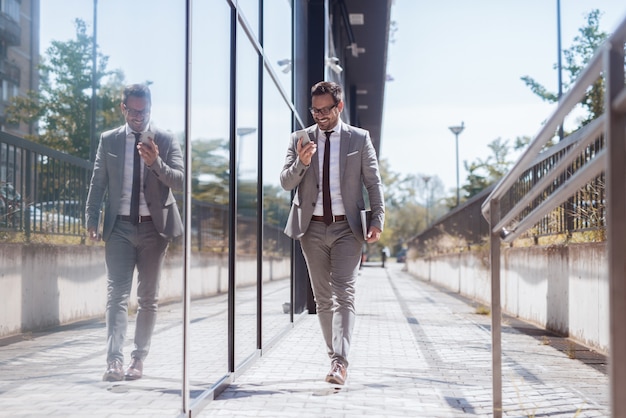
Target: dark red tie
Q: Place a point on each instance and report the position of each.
(134, 197)
(328, 211)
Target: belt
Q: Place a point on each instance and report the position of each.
(126, 218)
(337, 218)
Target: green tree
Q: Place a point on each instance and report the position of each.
(577, 57)
(484, 172)
(393, 194)
(409, 201)
(61, 108)
(476, 182)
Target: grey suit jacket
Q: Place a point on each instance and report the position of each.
(358, 167)
(165, 174)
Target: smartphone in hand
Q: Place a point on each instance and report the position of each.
(147, 137)
(304, 135)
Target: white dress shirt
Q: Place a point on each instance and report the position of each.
(335, 185)
(127, 181)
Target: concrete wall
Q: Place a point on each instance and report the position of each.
(564, 289)
(42, 286)
(561, 288)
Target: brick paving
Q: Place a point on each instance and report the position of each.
(418, 351)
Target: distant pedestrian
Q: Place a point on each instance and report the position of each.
(384, 253)
(326, 213)
(140, 218)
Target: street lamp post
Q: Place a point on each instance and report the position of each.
(426, 180)
(560, 54)
(456, 130)
(93, 139)
(241, 132)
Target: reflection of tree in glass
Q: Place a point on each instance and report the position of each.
(210, 186)
(275, 205)
(210, 182)
(61, 108)
(275, 212)
(210, 169)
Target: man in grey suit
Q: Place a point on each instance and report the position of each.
(136, 167)
(326, 213)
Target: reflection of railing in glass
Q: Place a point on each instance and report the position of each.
(47, 190)
(209, 228)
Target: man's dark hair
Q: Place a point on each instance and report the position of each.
(328, 87)
(136, 90)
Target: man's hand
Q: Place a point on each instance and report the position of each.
(148, 151)
(305, 153)
(373, 234)
(93, 234)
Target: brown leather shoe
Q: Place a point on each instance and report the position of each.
(337, 374)
(114, 372)
(134, 370)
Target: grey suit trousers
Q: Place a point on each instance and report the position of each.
(333, 254)
(129, 246)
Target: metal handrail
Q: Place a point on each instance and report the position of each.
(588, 136)
(569, 101)
(574, 183)
(608, 61)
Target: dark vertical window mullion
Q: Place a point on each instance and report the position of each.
(259, 200)
(186, 400)
(232, 201)
(292, 248)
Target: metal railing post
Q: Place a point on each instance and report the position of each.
(515, 220)
(496, 311)
(27, 200)
(616, 222)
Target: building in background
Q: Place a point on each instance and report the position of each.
(19, 58)
(19, 54)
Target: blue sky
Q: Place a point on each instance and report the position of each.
(458, 61)
(452, 61)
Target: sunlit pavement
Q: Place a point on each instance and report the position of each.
(417, 351)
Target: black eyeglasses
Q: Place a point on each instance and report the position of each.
(135, 113)
(323, 111)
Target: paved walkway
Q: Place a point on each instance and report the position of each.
(418, 351)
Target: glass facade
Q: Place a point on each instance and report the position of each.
(231, 79)
(240, 117)
(221, 80)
